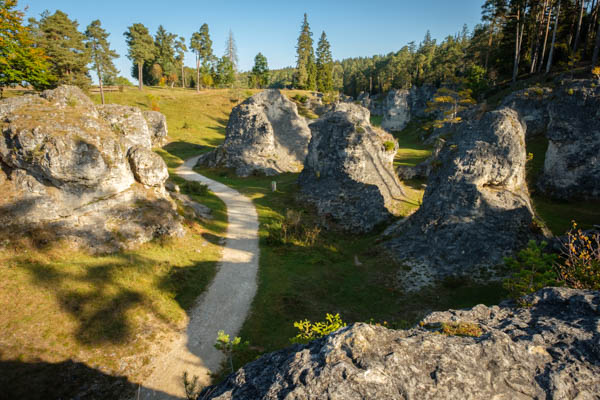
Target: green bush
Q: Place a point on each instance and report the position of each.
(311, 331)
(389, 145)
(192, 187)
(292, 230)
(580, 264)
(532, 270)
(230, 347)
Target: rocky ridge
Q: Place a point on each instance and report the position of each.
(348, 173)
(82, 171)
(550, 350)
(264, 135)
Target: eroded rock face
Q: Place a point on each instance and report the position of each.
(476, 208)
(348, 172)
(265, 134)
(69, 170)
(401, 106)
(532, 106)
(547, 351)
(157, 123)
(572, 165)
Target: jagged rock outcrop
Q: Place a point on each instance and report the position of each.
(400, 106)
(348, 173)
(550, 350)
(476, 208)
(572, 165)
(532, 106)
(264, 134)
(82, 171)
(157, 123)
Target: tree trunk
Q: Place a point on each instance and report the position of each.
(517, 49)
(197, 74)
(591, 26)
(100, 82)
(596, 48)
(140, 75)
(543, 55)
(535, 49)
(489, 49)
(182, 76)
(553, 39)
(579, 26)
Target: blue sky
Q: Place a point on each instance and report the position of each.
(354, 28)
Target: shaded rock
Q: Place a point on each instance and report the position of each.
(264, 134)
(348, 172)
(127, 122)
(197, 210)
(532, 106)
(476, 208)
(548, 351)
(147, 166)
(69, 173)
(396, 110)
(572, 165)
(157, 123)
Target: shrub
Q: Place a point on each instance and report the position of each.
(532, 270)
(455, 328)
(311, 331)
(230, 347)
(292, 229)
(192, 187)
(596, 72)
(300, 98)
(191, 386)
(389, 145)
(580, 266)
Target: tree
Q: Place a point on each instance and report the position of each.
(231, 51)
(225, 72)
(64, 45)
(165, 51)
(260, 72)
(180, 49)
(202, 46)
(450, 102)
(20, 61)
(324, 65)
(305, 77)
(141, 48)
(100, 53)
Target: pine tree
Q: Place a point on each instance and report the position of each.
(64, 45)
(231, 51)
(259, 77)
(165, 52)
(101, 54)
(202, 46)
(306, 72)
(324, 65)
(20, 61)
(225, 72)
(141, 48)
(180, 49)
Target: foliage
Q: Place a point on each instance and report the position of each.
(450, 102)
(306, 74)
(141, 49)
(458, 328)
(389, 145)
(292, 230)
(311, 331)
(324, 65)
(259, 78)
(191, 386)
(230, 347)
(596, 72)
(21, 62)
(532, 270)
(580, 264)
(64, 45)
(100, 52)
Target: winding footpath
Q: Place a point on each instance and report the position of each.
(224, 305)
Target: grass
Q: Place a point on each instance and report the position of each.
(412, 150)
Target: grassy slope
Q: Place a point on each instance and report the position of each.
(57, 303)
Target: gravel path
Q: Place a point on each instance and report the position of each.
(225, 304)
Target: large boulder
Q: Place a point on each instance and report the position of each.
(396, 110)
(550, 350)
(82, 173)
(264, 134)
(531, 105)
(348, 173)
(572, 165)
(476, 208)
(157, 123)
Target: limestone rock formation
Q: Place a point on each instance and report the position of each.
(548, 351)
(532, 106)
(401, 106)
(157, 123)
(265, 134)
(572, 165)
(348, 172)
(476, 208)
(67, 167)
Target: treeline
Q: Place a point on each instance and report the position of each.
(515, 38)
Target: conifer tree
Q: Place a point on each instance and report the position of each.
(180, 49)
(202, 46)
(101, 54)
(231, 51)
(259, 77)
(324, 65)
(64, 45)
(165, 51)
(141, 48)
(225, 72)
(20, 61)
(306, 72)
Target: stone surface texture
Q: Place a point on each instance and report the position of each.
(401, 106)
(157, 123)
(264, 135)
(83, 171)
(476, 207)
(348, 174)
(548, 351)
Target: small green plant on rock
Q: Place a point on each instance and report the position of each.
(532, 270)
(580, 266)
(230, 347)
(191, 386)
(459, 328)
(389, 145)
(311, 331)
